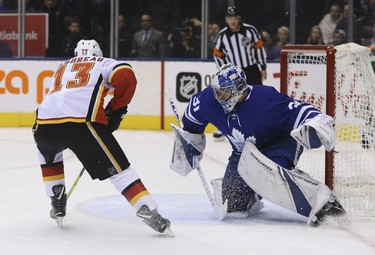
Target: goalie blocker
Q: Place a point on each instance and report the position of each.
(187, 150)
(290, 189)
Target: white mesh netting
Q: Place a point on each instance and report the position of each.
(354, 162)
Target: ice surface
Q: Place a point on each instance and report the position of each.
(99, 220)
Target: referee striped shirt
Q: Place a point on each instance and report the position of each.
(243, 48)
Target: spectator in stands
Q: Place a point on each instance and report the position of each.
(343, 25)
(69, 42)
(267, 39)
(86, 11)
(213, 30)
(32, 5)
(3, 8)
(339, 37)
(125, 37)
(183, 43)
(370, 11)
(196, 25)
(282, 40)
(12, 5)
(5, 50)
(267, 42)
(315, 36)
(329, 22)
(56, 14)
(370, 42)
(148, 42)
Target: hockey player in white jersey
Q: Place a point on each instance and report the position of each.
(73, 116)
(267, 131)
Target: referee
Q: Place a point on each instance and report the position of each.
(240, 44)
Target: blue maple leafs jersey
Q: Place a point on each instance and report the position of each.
(265, 116)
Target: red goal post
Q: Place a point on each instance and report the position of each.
(329, 51)
(339, 81)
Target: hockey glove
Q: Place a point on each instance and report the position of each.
(115, 117)
(316, 132)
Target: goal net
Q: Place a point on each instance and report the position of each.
(338, 81)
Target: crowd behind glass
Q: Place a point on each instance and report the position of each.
(177, 26)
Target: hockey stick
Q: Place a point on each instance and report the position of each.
(198, 168)
(75, 182)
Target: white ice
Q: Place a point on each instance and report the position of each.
(99, 220)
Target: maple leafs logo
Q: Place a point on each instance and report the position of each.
(238, 139)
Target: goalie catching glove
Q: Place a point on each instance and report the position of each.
(316, 132)
(115, 117)
(187, 150)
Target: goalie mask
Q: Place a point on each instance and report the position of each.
(88, 48)
(229, 84)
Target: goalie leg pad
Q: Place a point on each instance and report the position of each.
(186, 147)
(290, 189)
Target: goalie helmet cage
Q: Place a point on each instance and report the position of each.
(339, 81)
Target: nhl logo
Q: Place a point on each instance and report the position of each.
(245, 41)
(188, 84)
(231, 10)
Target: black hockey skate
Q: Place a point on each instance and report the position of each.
(58, 202)
(329, 209)
(154, 220)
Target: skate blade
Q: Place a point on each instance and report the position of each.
(330, 220)
(341, 221)
(168, 232)
(60, 222)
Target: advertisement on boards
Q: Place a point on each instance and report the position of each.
(24, 84)
(36, 34)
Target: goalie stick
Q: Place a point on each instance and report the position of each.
(216, 209)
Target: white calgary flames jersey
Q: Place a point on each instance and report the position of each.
(78, 89)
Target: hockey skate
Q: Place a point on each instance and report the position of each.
(218, 136)
(331, 208)
(58, 202)
(154, 220)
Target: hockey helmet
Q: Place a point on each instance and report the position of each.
(229, 84)
(88, 48)
(232, 11)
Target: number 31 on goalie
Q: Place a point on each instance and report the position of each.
(196, 103)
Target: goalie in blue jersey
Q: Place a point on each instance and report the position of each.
(268, 132)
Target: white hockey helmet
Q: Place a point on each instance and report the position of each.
(229, 84)
(88, 48)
